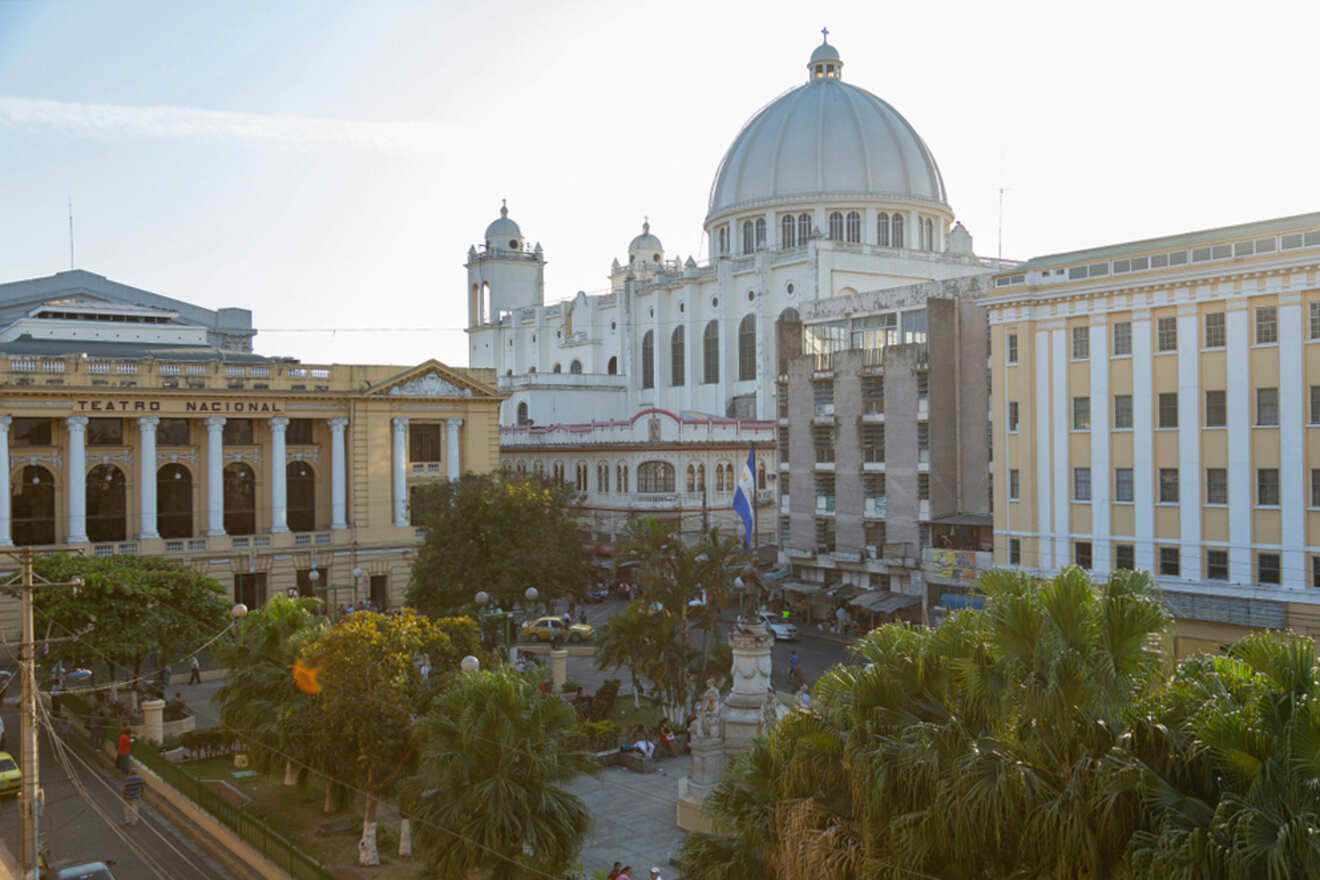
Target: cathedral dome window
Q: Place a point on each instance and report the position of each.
(854, 227)
(896, 231)
(882, 229)
(836, 226)
(677, 358)
(710, 344)
(804, 228)
(786, 230)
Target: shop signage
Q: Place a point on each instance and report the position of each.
(211, 407)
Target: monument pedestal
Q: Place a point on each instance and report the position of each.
(751, 677)
(703, 775)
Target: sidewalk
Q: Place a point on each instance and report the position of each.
(633, 817)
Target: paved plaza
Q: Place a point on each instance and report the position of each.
(633, 817)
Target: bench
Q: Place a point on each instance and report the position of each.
(636, 761)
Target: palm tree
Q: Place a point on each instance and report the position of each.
(628, 641)
(486, 796)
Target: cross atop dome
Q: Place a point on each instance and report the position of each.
(825, 62)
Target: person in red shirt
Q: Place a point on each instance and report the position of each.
(615, 871)
(122, 751)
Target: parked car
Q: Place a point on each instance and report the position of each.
(596, 594)
(11, 778)
(781, 629)
(85, 871)
(551, 628)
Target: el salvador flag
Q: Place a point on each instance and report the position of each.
(744, 495)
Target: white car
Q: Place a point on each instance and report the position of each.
(781, 629)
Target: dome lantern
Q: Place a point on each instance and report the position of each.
(645, 248)
(825, 62)
(503, 234)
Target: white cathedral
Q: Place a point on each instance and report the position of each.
(826, 191)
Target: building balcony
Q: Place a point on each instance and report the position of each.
(873, 467)
(875, 507)
(825, 504)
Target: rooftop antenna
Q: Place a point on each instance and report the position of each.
(1001, 222)
(70, 233)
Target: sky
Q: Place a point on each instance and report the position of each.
(328, 164)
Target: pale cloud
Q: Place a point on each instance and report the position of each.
(112, 121)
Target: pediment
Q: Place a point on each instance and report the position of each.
(433, 379)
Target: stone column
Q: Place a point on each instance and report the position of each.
(338, 475)
(153, 721)
(215, 476)
(279, 490)
(400, 471)
(147, 481)
(455, 464)
(751, 677)
(5, 513)
(77, 427)
(558, 668)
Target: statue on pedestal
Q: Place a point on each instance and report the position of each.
(769, 710)
(708, 716)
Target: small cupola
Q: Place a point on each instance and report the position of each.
(503, 234)
(645, 248)
(825, 62)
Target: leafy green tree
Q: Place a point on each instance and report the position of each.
(367, 688)
(501, 534)
(629, 640)
(486, 793)
(128, 608)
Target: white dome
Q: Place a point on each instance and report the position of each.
(503, 234)
(645, 248)
(826, 138)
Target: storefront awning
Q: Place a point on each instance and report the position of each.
(964, 519)
(846, 591)
(799, 586)
(777, 575)
(885, 602)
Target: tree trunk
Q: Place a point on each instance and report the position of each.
(328, 805)
(405, 837)
(367, 852)
(637, 700)
(290, 773)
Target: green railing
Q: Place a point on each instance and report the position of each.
(257, 834)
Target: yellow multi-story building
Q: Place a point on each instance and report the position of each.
(1156, 405)
(135, 424)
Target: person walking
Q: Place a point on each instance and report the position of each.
(655, 874)
(122, 751)
(795, 666)
(131, 789)
(194, 670)
(626, 873)
(615, 871)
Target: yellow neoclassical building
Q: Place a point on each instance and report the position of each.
(1157, 406)
(134, 424)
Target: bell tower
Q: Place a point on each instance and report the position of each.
(504, 275)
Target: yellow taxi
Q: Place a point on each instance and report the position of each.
(551, 628)
(11, 778)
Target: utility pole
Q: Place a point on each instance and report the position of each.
(29, 795)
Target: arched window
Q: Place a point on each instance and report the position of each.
(613, 368)
(174, 502)
(603, 478)
(719, 478)
(760, 232)
(580, 474)
(557, 368)
(724, 240)
(575, 368)
(804, 228)
(836, 226)
(558, 472)
(677, 357)
(760, 475)
(522, 413)
(928, 234)
(240, 487)
(655, 476)
(622, 478)
(107, 504)
(691, 479)
(701, 478)
(710, 344)
(747, 348)
(648, 359)
(854, 227)
(896, 231)
(300, 485)
(33, 507)
(749, 236)
(786, 231)
(882, 229)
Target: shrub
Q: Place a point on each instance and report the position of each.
(602, 703)
(569, 686)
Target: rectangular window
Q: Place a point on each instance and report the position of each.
(1015, 551)
(172, 432)
(105, 432)
(1267, 406)
(1216, 565)
(1314, 309)
(1166, 334)
(1216, 486)
(1012, 348)
(1122, 410)
(1168, 409)
(1267, 325)
(423, 443)
(237, 432)
(1082, 484)
(923, 487)
(1168, 485)
(1315, 487)
(1081, 343)
(1267, 487)
(1315, 571)
(1081, 413)
(1170, 564)
(1214, 330)
(1267, 568)
(1123, 484)
(299, 432)
(1125, 557)
(1216, 409)
(1082, 554)
(30, 432)
(1315, 404)
(1123, 337)
(1012, 416)
(1014, 485)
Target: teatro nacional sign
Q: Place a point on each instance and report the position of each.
(180, 405)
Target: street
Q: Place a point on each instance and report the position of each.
(74, 832)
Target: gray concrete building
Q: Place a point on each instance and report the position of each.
(884, 453)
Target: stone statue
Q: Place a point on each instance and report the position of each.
(749, 586)
(708, 719)
(769, 710)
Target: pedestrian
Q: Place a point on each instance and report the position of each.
(194, 670)
(626, 873)
(643, 743)
(582, 617)
(56, 699)
(794, 666)
(122, 750)
(804, 697)
(655, 874)
(165, 673)
(132, 792)
(615, 871)
(93, 731)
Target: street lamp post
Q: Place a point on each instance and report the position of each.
(483, 599)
